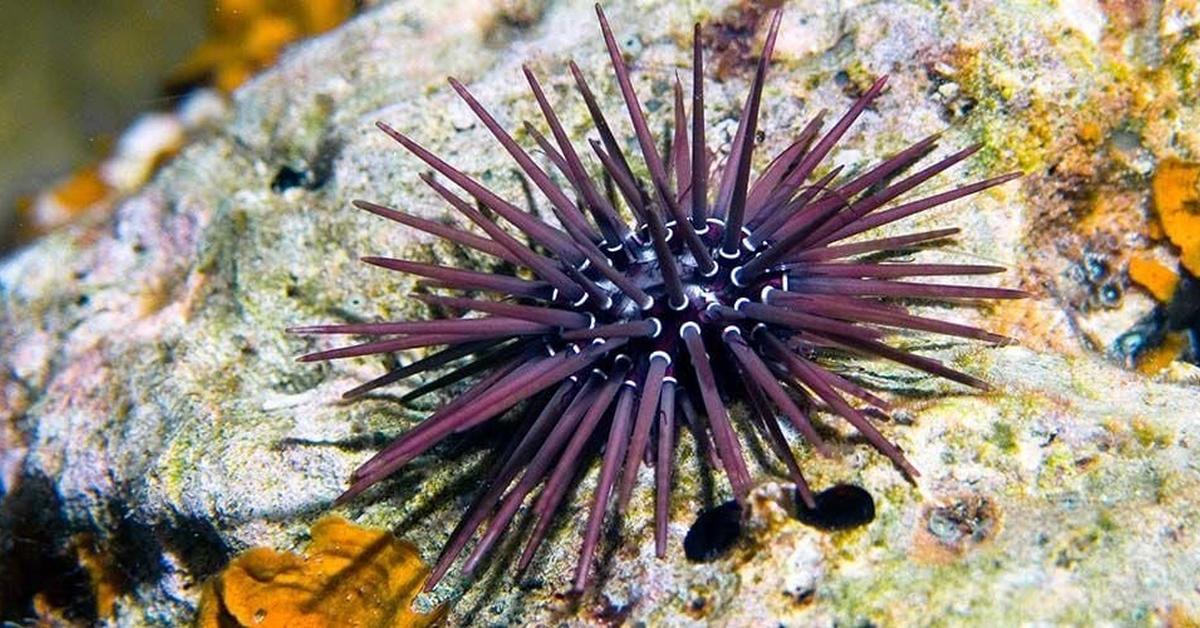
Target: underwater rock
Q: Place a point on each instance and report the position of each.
(150, 402)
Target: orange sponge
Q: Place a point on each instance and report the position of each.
(350, 576)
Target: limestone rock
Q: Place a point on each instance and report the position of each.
(150, 405)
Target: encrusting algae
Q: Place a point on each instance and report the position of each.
(350, 576)
(246, 36)
(1177, 203)
(1176, 196)
(1155, 277)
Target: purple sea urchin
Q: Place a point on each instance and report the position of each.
(708, 298)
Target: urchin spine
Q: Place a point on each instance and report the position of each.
(701, 299)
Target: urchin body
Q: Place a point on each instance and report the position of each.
(723, 287)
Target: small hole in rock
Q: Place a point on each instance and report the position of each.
(288, 178)
(1110, 294)
(965, 521)
(714, 532)
(840, 507)
(1096, 267)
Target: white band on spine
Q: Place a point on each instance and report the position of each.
(765, 294)
(735, 276)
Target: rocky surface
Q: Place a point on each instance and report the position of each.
(153, 421)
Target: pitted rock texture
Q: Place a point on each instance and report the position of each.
(151, 409)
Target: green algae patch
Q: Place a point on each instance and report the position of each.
(1004, 437)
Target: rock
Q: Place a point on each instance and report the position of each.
(151, 410)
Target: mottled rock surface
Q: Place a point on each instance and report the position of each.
(151, 411)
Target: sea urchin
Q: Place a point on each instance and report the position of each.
(706, 299)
